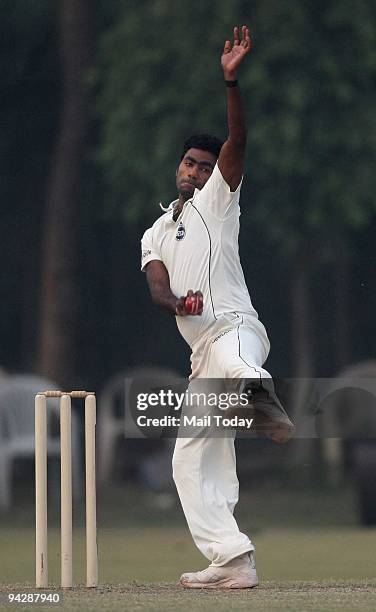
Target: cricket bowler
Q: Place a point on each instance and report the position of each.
(191, 259)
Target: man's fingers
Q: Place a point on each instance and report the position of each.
(200, 302)
(242, 39)
(227, 47)
(200, 305)
(246, 42)
(244, 36)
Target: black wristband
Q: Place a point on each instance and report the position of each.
(232, 83)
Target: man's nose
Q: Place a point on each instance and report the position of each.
(193, 171)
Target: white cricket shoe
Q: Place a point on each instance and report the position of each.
(239, 573)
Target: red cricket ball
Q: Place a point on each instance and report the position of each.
(191, 304)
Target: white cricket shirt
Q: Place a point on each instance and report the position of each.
(200, 251)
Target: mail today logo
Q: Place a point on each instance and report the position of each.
(180, 234)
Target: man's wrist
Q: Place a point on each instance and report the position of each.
(230, 76)
(178, 304)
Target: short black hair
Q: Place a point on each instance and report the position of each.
(205, 142)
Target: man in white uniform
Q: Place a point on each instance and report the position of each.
(194, 246)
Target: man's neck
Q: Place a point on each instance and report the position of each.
(179, 206)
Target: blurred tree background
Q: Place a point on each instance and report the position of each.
(97, 99)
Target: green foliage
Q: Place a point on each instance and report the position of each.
(309, 91)
(160, 66)
(312, 132)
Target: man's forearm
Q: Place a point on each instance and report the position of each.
(237, 133)
(163, 297)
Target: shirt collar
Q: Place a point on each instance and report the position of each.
(171, 206)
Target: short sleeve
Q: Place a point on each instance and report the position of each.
(217, 196)
(149, 250)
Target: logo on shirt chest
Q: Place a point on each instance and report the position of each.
(180, 234)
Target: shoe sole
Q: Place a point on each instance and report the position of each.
(280, 433)
(277, 430)
(226, 583)
(263, 425)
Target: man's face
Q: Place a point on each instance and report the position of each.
(193, 171)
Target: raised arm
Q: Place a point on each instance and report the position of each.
(161, 294)
(231, 158)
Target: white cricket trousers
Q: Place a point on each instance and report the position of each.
(204, 467)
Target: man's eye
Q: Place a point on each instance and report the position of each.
(204, 169)
(188, 163)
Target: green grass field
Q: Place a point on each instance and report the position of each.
(311, 555)
(322, 569)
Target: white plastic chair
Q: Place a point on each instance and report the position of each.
(17, 437)
(111, 418)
